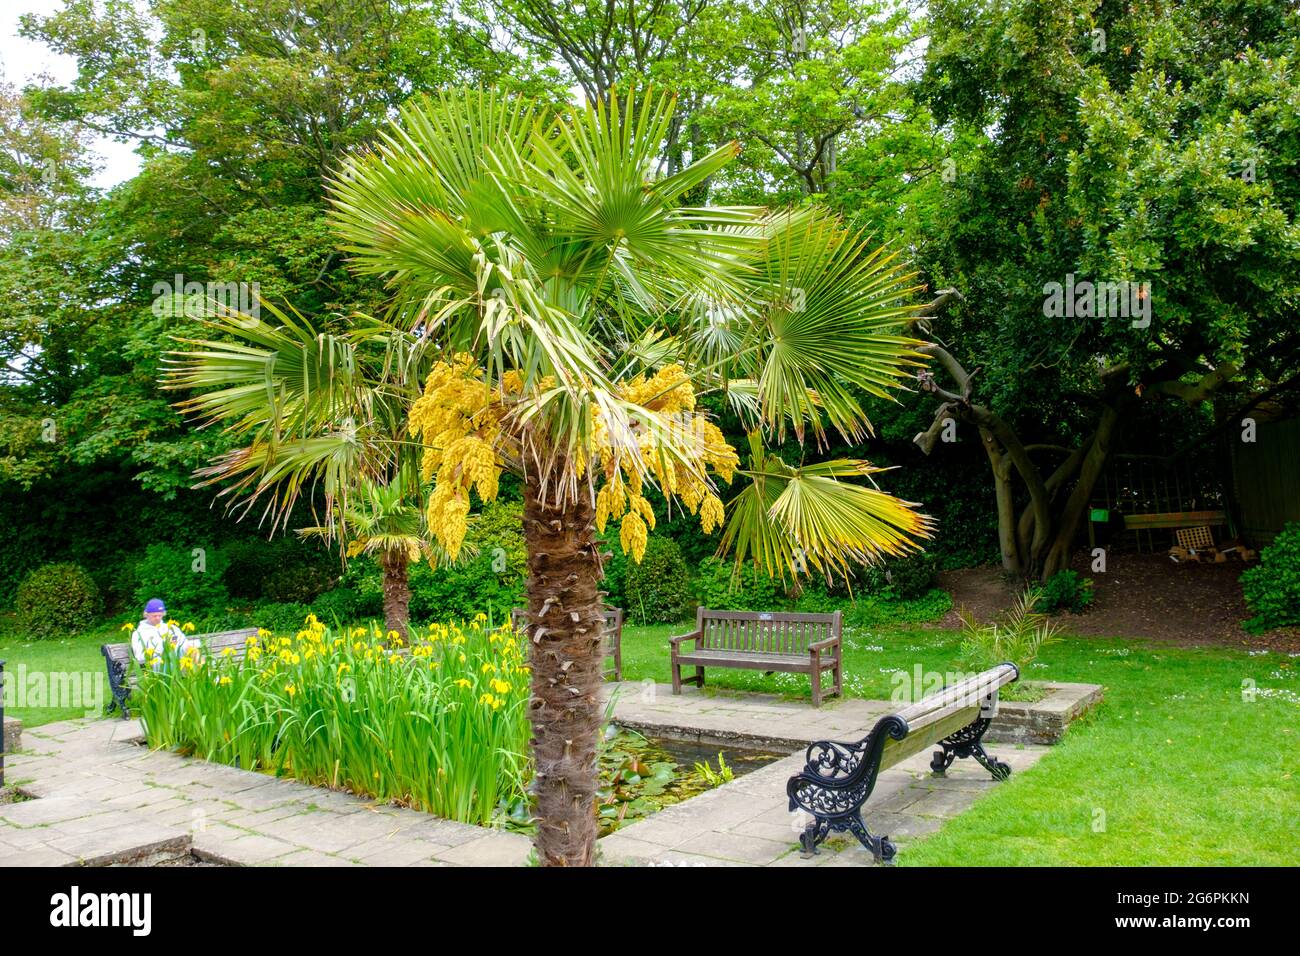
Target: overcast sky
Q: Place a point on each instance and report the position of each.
(22, 60)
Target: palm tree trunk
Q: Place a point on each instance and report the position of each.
(397, 592)
(565, 615)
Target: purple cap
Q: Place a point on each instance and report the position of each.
(155, 605)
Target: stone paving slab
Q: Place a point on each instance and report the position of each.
(101, 797)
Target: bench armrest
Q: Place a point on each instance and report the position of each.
(822, 645)
(674, 642)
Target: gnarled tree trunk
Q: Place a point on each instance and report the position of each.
(564, 639)
(1038, 543)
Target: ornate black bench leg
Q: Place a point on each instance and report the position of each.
(813, 834)
(967, 742)
(881, 847)
(120, 689)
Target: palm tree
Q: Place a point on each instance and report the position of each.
(317, 408)
(578, 311)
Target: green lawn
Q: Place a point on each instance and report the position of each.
(1176, 767)
(76, 659)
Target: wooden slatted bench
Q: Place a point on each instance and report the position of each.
(839, 777)
(613, 636)
(765, 641)
(1174, 519)
(122, 679)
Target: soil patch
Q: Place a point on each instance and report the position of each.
(1140, 595)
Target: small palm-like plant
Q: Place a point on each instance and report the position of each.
(1017, 637)
(385, 522)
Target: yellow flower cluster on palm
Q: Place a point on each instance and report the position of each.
(460, 420)
(669, 394)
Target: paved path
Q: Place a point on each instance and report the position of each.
(102, 797)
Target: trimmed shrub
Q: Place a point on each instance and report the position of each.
(188, 587)
(900, 578)
(658, 590)
(1272, 588)
(57, 599)
(719, 587)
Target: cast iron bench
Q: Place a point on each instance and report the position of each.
(121, 679)
(839, 777)
(764, 641)
(613, 635)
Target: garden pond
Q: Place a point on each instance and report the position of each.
(641, 775)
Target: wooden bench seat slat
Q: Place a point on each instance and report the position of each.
(946, 723)
(973, 688)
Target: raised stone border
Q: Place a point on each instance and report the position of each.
(1044, 721)
(766, 722)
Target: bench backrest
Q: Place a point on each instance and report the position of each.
(771, 632)
(236, 641)
(947, 711)
(215, 643)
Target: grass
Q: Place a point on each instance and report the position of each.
(1179, 766)
(77, 657)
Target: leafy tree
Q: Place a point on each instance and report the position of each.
(1144, 145)
(820, 81)
(237, 110)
